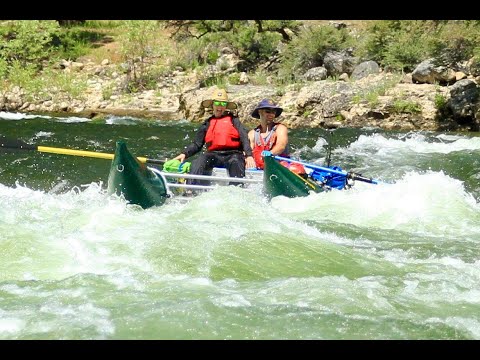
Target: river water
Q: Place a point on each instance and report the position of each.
(398, 260)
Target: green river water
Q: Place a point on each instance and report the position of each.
(398, 260)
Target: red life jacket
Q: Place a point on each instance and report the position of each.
(222, 135)
(266, 143)
(294, 167)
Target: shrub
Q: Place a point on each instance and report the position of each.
(28, 42)
(440, 102)
(406, 106)
(137, 47)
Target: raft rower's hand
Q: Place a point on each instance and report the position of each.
(180, 157)
(250, 163)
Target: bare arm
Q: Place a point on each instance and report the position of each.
(282, 140)
(251, 138)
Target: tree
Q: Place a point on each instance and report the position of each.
(199, 28)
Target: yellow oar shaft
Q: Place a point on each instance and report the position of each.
(81, 153)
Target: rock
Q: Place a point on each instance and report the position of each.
(315, 74)
(428, 72)
(459, 75)
(364, 69)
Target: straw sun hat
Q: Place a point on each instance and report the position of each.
(219, 95)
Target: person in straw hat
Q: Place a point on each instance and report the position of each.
(226, 141)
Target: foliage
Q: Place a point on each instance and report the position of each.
(259, 77)
(403, 44)
(456, 41)
(69, 85)
(406, 106)
(254, 47)
(75, 42)
(3, 68)
(379, 89)
(440, 102)
(378, 35)
(253, 42)
(218, 80)
(475, 66)
(182, 29)
(68, 23)
(403, 54)
(23, 75)
(274, 52)
(102, 24)
(28, 42)
(138, 46)
(308, 50)
(48, 84)
(107, 91)
(372, 98)
(280, 91)
(234, 79)
(186, 55)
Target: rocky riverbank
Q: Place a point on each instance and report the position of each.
(370, 97)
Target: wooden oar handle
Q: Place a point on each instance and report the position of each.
(151, 161)
(9, 143)
(75, 152)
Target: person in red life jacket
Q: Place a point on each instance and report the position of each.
(270, 135)
(226, 140)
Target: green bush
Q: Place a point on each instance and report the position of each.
(440, 102)
(186, 55)
(47, 85)
(29, 42)
(259, 77)
(403, 54)
(219, 81)
(403, 44)
(234, 79)
(137, 47)
(253, 41)
(212, 57)
(22, 75)
(107, 91)
(406, 107)
(75, 42)
(456, 41)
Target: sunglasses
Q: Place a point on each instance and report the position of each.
(270, 111)
(220, 103)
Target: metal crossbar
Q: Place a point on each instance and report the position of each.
(211, 178)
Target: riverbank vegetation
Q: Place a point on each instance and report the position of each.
(277, 52)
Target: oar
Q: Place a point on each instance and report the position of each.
(20, 145)
(350, 175)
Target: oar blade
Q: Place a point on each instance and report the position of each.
(8, 143)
